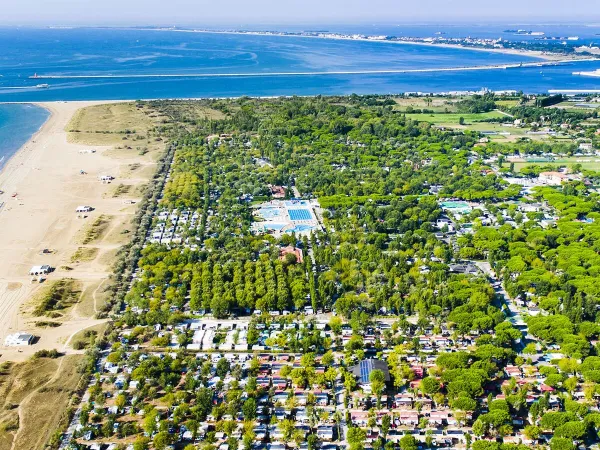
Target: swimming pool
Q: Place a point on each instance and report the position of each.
(269, 213)
(274, 226)
(300, 228)
(296, 203)
(300, 214)
(457, 207)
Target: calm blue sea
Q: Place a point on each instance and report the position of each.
(72, 53)
(17, 124)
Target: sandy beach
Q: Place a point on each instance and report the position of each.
(42, 187)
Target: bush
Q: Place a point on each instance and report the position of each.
(47, 354)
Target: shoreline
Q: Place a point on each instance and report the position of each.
(42, 186)
(4, 163)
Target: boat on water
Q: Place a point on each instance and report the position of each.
(42, 86)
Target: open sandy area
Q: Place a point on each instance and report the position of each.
(42, 187)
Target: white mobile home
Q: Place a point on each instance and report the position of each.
(40, 270)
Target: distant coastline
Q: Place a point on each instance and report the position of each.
(141, 64)
(475, 44)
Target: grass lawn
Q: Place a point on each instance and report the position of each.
(508, 103)
(454, 118)
(440, 105)
(587, 163)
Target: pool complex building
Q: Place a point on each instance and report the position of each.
(286, 216)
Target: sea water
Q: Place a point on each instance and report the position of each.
(18, 123)
(284, 65)
(260, 65)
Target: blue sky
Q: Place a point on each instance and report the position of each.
(241, 12)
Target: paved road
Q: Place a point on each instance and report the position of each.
(514, 315)
(68, 435)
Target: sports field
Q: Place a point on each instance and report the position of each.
(587, 163)
(454, 118)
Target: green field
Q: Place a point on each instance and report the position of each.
(454, 118)
(589, 163)
(508, 103)
(574, 106)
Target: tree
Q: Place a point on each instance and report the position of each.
(312, 440)
(161, 440)
(141, 443)
(485, 445)
(248, 437)
(386, 421)
(150, 421)
(249, 409)
(558, 443)
(223, 367)
(408, 442)
(377, 379)
(193, 425)
(356, 435)
(327, 359)
(335, 323)
(570, 384)
(287, 428)
(480, 428)
(464, 404)
(120, 401)
(429, 385)
(532, 432)
(571, 430)
(554, 419)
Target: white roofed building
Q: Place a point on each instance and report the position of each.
(19, 339)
